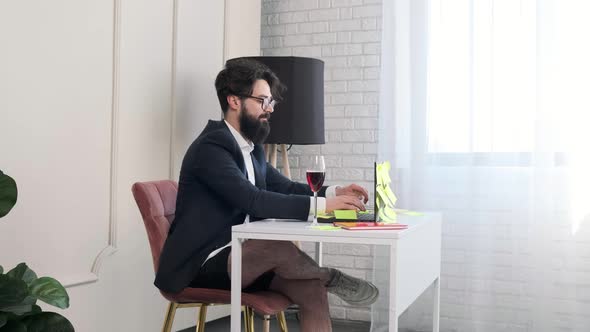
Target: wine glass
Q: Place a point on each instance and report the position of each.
(316, 174)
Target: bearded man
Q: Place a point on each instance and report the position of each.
(224, 181)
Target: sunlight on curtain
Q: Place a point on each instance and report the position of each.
(491, 112)
(482, 57)
(568, 72)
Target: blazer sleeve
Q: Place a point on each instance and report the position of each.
(218, 170)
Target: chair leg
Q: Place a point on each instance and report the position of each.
(251, 319)
(246, 319)
(169, 319)
(201, 318)
(266, 323)
(282, 321)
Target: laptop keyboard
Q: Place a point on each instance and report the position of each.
(366, 216)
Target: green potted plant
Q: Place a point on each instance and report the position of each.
(20, 288)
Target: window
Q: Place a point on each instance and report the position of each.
(482, 76)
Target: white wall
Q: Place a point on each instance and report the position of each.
(91, 97)
(199, 58)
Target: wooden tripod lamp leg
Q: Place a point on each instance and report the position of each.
(286, 168)
(267, 152)
(273, 155)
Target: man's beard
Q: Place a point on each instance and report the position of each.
(254, 129)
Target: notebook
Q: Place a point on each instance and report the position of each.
(371, 226)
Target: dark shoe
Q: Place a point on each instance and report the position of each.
(353, 290)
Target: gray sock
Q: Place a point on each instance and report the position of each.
(334, 276)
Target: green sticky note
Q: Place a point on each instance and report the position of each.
(387, 215)
(345, 214)
(390, 195)
(413, 213)
(326, 228)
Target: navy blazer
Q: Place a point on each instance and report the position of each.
(214, 194)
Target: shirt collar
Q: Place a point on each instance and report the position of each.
(245, 145)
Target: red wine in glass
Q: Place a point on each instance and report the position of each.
(315, 179)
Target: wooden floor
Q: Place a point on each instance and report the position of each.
(222, 325)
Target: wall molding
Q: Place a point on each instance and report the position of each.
(226, 29)
(172, 156)
(111, 246)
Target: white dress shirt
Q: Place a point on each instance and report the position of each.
(247, 147)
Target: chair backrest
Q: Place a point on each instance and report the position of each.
(157, 203)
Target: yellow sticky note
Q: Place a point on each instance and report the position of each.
(387, 215)
(382, 203)
(326, 228)
(386, 178)
(383, 178)
(413, 213)
(324, 216)
(386, 199)
(390, 195)
(345, 214)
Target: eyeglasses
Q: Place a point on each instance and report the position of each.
(265, 102)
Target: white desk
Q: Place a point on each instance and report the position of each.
(414, 257)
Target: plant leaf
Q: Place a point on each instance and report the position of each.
(30, 299)
(12, 291)
(19, 310)
(47, 322)
(22, 271)
(1, 269)
(13, 326)
(9, 316)
(36, 309)
(8, 194)
(50, 291)
(3, 319)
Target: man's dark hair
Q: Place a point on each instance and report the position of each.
(238, 77)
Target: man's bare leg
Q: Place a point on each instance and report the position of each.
(312, 298)
(282, 257)
(289, 262)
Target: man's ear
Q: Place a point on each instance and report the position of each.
(233, 102)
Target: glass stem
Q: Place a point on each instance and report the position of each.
(315, 215)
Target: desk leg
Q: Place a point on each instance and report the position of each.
(319, 253)
(393, 327)
(236, 283)
(436, 309)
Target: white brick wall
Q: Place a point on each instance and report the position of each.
(346, 35)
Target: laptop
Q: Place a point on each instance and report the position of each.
(362, 216)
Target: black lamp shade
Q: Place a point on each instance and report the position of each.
(299, 117)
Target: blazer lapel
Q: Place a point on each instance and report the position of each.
(237, 152)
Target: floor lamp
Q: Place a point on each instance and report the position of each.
(299, 117)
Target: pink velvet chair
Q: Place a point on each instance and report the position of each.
(157, 203)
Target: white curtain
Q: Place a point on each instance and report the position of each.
(484, 115)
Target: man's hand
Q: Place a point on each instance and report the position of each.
(353, 190)
(344, 203)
